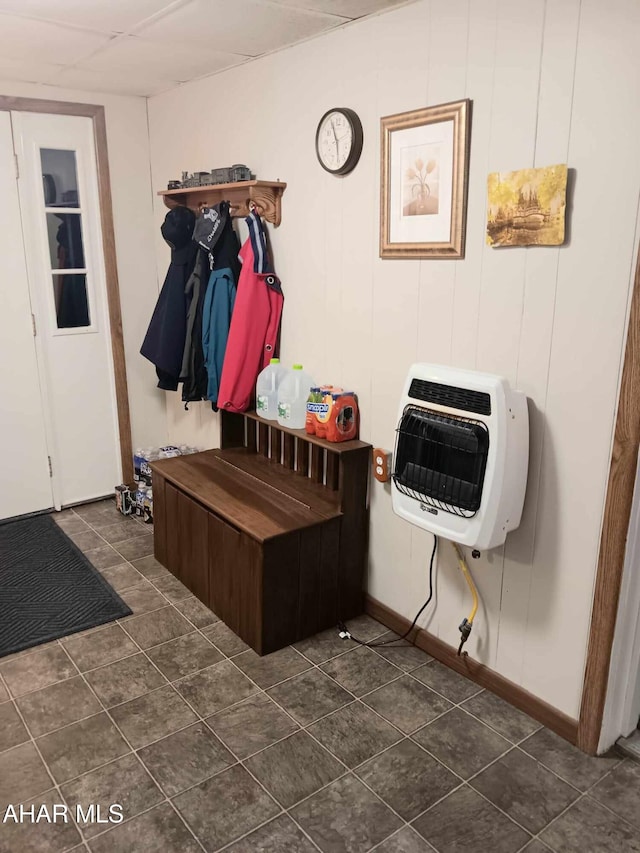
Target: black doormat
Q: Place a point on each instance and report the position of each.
(48, 588)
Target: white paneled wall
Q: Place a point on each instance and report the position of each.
(551, 82)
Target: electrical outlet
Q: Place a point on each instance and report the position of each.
(381, 464)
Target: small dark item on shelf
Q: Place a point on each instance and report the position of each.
(229, 175)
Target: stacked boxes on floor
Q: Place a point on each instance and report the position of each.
(139, 500)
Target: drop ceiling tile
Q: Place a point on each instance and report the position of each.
(103, 15)
(344, 8)
(177, 62)
(20, 37)
(118, 82)
(27, 70)
(247, 27)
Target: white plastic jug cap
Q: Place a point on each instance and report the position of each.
(274, 361)
(297, 367)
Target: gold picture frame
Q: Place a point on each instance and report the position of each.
(424, 178)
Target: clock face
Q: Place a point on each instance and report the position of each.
(339, 141)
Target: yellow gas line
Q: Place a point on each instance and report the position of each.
(466, 624)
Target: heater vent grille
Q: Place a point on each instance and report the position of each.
(440, 460)
(478, 402)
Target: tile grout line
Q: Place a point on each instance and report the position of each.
(54, 785)
(241, 761)
(128, 743)
(402, 734)
(556, 818)
(512, 747)
(349, 771)
(357, 699)
(118, 660)
(397, 831)
(59, 642)
(317, 666)
(548, 769)
(586, 793)
(125, 560)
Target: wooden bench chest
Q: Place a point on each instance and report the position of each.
(270, 531)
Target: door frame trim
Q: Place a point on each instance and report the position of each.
(97, 114)
(613, 540)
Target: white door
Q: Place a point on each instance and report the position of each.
(58, 188)
(25, 485)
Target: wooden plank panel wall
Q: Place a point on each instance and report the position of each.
(550, 82)
(512, 144)
(541, 282)
(394, 293)
(452, 35)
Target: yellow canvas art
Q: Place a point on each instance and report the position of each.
(527, 207)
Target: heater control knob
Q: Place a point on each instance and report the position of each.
(475, 554)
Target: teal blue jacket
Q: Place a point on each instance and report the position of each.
(216, 319)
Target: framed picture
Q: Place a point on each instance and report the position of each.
(425, 164)
(527, 207)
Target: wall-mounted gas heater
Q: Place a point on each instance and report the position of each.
(461, 455)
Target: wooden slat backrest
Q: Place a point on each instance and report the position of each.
(318, 460)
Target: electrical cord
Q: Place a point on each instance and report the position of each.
(345, 634)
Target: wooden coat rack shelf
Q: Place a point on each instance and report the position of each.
(265, 195)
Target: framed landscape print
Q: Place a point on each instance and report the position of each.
(425, 163)
(527, 207)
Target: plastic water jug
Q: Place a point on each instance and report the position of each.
(267, 389)
(293, 392)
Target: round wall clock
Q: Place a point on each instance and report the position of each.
(339, 140)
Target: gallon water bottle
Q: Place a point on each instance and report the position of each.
(293, 392)
(267, 389)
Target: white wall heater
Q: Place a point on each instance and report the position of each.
(461, 455)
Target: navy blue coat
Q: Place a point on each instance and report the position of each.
(164, 342)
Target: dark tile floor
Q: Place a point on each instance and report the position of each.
(323, 746)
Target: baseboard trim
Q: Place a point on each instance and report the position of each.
(549, 716)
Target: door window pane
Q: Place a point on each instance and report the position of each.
(72, 306)
(59, 177)
(65, 241)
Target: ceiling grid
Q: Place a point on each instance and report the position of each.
(144, 47)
